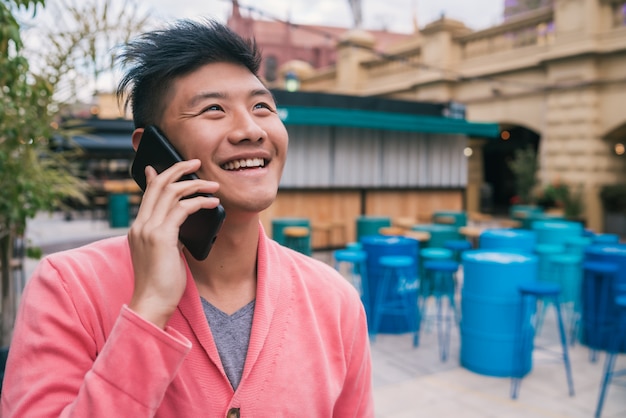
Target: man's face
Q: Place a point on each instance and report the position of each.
(224, 116)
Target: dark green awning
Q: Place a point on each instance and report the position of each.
(299, 115)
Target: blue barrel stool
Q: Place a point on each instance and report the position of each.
(596, 316)
(354, 246)
(509, 240)
(605, 239)
(377, 246)
(491, 307)
(443, 276)
(530, 294)
(397, 293)
(619, 337)
(356, 261)
(457, 247)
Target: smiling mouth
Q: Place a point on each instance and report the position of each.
(244, 163)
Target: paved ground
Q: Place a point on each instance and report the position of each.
(413, 382)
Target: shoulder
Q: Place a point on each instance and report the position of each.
(101, 268)
(315, 277)
(104, 255)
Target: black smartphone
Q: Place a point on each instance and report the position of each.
(199, 231)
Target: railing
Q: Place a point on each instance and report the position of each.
(533, 28)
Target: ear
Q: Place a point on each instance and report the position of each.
(137, 134)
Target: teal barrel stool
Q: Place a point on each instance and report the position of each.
(439, 234)
(566, 270)
(530, 295)
(509, 240)
(298, 238)
(525, 214)
(396, 294)
(544, 252)
(119, 210)
(369, 225)
(443, 276)
(450, 217)
(356, 262)
(577, 245)
(428, 254)
(555, 231)
(279, 224)
(490, 309)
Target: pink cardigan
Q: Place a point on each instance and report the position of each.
(78, 351)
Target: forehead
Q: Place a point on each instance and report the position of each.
(222, 78)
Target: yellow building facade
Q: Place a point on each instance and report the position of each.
(558, 71)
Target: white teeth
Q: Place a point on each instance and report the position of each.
(244, 163)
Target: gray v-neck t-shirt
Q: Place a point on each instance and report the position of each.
(231, 334)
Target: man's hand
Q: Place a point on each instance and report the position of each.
(160, 274)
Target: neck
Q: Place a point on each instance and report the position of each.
(227, 277)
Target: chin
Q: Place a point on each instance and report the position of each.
(257, 204)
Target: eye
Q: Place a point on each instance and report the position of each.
(210, 108)
(263, 105)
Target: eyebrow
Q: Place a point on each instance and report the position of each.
(217, 95)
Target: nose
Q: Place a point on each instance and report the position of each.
(246, 127)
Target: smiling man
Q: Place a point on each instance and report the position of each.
(136, 327)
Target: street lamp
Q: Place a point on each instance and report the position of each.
(292, 82)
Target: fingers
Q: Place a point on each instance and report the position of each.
(164, 192)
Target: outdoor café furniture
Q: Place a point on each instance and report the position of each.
(544, 252)
(472, 233)
(439, 233)
(530, 295)
(370, 225)
(457, 246)
(604, 276)
(396, 294)
(525, 214)
(279, 224)
(556, 231)
(427, 254)
(449, 217)
(491, 307)
(421, 236)
(567, 272)
(391, 230)
(403, 222)
(377, 246)
(298, 238)
(443, 276)
(355, 261)
(329, 231)
(577, 245)
(605, 239)
(512, 240)
(354, 246)
(618, 338)
(597, 315)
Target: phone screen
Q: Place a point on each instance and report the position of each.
(199, 231)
